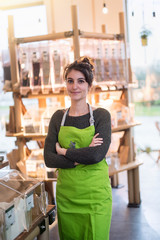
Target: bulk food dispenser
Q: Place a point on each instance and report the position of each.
(23, 201)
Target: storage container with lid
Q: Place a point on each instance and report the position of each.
(24, 197)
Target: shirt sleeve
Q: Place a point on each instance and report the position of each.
(51, 158)
(92, 155)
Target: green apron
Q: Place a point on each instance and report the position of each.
(83, 194)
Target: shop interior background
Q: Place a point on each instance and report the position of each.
(145, 60)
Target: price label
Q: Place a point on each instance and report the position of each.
(119, 115)
(31, 166)
(10, 216)
(30, 201)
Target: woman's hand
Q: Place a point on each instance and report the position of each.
(96, 141)
(60, 150)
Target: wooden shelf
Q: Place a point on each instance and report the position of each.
(4, 164)
(125, 127)
(109, 86)
(126, 167)
(101, 35)
(30, 136)
(47, 37)
(42, 136)
(68, 34)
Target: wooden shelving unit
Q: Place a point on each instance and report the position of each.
(132, 167)
(126, 167)
(37, 136)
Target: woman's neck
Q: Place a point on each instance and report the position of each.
(78, 109)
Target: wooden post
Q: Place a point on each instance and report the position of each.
(104, 28)
(42, 102)
(61, 99)
(96, 98)
(133, 175)
(15, 80)
(136, 186)
(93, 16)
(123, 30)
(14, 71)
(130, 187)
(121, 22)
(76, 44)
(115, 177)
(12, 51)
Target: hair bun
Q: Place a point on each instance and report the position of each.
(88, 61)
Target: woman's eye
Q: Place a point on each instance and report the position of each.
(81, 81)
(70, 81)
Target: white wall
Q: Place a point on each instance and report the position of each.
(62, 15)
(59, 13)
(6, 4)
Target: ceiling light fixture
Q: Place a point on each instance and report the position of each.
(104, 9)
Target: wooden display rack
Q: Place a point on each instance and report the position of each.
(132, 167)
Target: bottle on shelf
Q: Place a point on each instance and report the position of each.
(107, 61)
(114, 61)
(36, 74)
(46, 76)
(121, 62)
(24, 74)
(5, 57)
(32, 120)
(57, 68)
(99, 74)
(66, 52)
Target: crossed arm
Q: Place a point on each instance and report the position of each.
(95, 142)
(57, 157)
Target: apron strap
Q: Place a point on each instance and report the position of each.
(64, 117)
(91, 120)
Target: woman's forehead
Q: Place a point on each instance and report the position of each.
(75, 74)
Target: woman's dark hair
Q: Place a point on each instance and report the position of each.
(84, 65)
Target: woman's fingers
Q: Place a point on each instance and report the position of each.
(96, 135)
(57, 147)
(96, 141)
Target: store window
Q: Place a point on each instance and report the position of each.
(145, 63)
(144, 18)
(30, 21)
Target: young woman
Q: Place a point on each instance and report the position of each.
(77, 142)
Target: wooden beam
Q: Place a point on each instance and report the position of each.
(76, 44)
(24, 5)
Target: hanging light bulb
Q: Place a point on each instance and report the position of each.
(154, 14)
(104, 9)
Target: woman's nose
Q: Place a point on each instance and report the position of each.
(74, 84)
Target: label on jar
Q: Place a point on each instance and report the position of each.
(9, 216)
(30, 201)
(31, 166)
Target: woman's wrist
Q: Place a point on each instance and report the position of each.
(64, 151)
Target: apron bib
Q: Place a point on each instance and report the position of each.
(83, 193)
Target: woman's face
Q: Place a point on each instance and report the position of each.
(77, 87)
